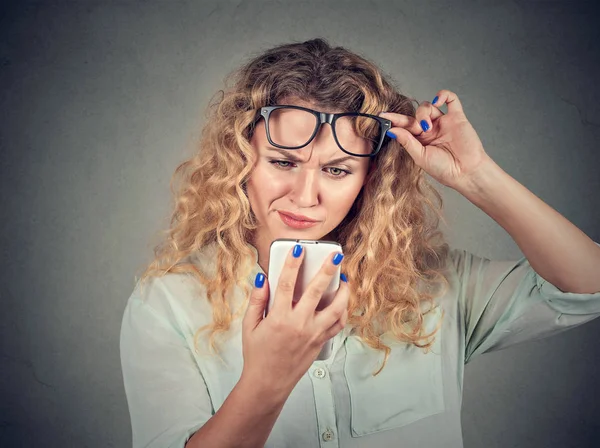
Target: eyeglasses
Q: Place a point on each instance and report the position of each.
(293, 127)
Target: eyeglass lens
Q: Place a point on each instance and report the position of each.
(294, 127)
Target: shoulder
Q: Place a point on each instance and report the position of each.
(180, 296)
(165, 298)
(458, 258)
(156, 291)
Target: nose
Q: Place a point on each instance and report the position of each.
(305, 188)
(306, 185)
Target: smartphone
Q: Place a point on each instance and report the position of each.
(316, 252)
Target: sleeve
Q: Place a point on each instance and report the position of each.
(504, 303)
(166, 393)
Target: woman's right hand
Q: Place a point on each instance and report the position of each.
(280, 348)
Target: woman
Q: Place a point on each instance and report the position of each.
(203, 368)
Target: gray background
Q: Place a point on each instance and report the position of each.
(101, 100)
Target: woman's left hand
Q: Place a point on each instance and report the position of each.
(450, 150)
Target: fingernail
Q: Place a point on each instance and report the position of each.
(337, 259)
(424, 125)
(297, 250)
(343, 277)
(259, 281)
(434, 100)
(390, 134)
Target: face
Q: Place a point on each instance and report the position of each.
(307, 181)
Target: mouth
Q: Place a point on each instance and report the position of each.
(291, 221)
(298, 217)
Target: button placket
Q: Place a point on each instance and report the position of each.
(324, 403)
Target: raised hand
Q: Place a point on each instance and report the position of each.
(446, 146)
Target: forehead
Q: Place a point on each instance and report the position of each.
(295, 101)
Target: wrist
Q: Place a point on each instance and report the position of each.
(481, 180)
(261, 389)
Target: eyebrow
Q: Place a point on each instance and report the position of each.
(295, 159)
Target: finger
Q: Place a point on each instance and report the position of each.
(335, 316)
(331, 314)
(338, 326)
(313, 294)
(425, 115)
(256, 305)
(403, 121)
(284, 294)
(414, 148)
(450, 99)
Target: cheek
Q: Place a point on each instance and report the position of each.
(340, 202)
(265, 185)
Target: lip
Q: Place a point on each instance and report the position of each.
(296, 223)
(298, 217)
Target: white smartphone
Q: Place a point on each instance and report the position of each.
(316, 252)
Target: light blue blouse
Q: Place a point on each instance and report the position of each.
(416, 399)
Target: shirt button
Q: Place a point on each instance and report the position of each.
(319, 372)
(328, 435)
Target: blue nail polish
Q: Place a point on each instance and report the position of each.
(390, 134)
(337, 259)
(434, 100)
(259, 281)
(297, 250)
(343, 277)
(424, 125)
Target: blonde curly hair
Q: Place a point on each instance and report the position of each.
(394, 253)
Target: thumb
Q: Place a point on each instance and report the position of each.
(258, 301)
(414, 148)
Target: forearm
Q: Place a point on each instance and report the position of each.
(245, 419)
(556, 249)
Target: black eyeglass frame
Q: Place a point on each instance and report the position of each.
(323, 117)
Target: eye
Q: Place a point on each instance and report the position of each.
(278, 162)
(339, 173)
(342, 173)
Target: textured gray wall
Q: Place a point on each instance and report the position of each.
(101, 100)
